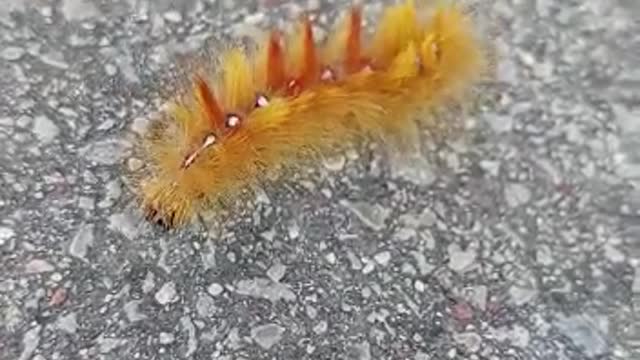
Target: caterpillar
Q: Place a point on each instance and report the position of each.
(292, 99)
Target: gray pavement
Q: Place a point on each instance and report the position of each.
(521, 241)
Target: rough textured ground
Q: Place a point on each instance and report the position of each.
(521, 242)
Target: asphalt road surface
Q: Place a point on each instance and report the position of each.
(520, 241)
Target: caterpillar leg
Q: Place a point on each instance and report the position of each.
(164, 206)
(166, 222)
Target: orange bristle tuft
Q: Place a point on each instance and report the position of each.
(353, 56)
(275, 63)
(309, 72)
(210, 106)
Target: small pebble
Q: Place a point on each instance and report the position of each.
(331, 258)
(276, 271)
(635, 287)
(460, 260)
(167, 294)
(517, 194)
(82, 241)
(266, 336)
(12, 53)
(173, 16)
(68, 323)
(320, 328)
(368, 268)
(111, 69)
(6, 233)
(166, 338)
(215, 289)
(45, 129)
(383, 258)
(37, 266)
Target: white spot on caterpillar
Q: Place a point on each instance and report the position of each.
(208, 141)
(262, 101)
(233, 120)
(328, 75)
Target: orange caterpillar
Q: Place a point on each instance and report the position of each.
(294, 100)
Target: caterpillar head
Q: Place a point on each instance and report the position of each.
(184, 153)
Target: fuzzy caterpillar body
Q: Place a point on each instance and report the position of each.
(271, 109)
